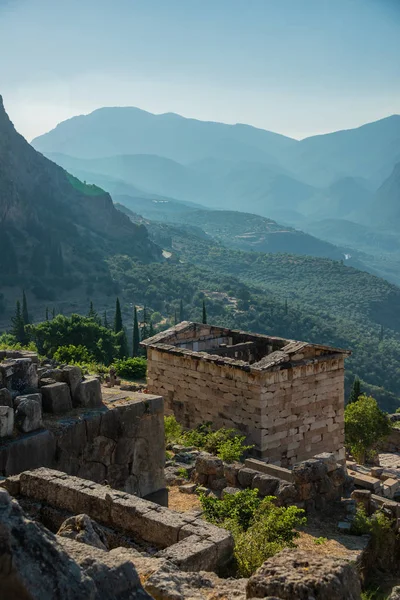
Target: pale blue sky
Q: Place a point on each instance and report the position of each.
(298, 67)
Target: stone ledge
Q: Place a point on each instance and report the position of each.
(208, 546)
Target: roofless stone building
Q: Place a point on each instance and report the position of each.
(286, 396)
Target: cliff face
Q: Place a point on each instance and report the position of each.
(51, 224)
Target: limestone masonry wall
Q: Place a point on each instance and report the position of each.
(54, 417)
(289, 404)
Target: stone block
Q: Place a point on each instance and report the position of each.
(36, 397)
(365, 482)
(72, 375)
(269, 469)
(6, 421)
(246, 476)
(309, 471)
(56, 398)
(265, 484)
(88, 394)
(209, 465)
(31, 452)
(229, 491)
(192, 554)
(295, 575)
(329, 459)
(28, 415)
(5, 398)
(390, 487)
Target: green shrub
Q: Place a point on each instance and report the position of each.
(259, 527)
(131, 368)
(238, 508)
(225, 443)
(173, 429)
(361, 524)
(182, 472)
(73, 354)
(365, 426)
(232, 450)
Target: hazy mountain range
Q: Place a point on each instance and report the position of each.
(235, 167)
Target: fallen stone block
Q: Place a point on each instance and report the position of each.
(390, 487)
(329, 459)
(28, 416)
(295, 575)
(192, 554)
(309, 471)
(6, 421)
(88, 394)
(188, 488)
(82, 529)
(365, 482)
(56, 398)
(269, 469)
(246, 476)
(5, 398)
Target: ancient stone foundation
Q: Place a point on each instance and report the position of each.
(286, 396)
(57, 419)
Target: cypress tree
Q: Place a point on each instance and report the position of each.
(47, 313)
(53, 313)
(355, 391)
(144, 326)
(92, 314)
(204, 320)
(25, 314)
(151, 330)
(18, 326)
(105, 320)
(136, 334)
(118, 317)
(175, 319)
(181, 313)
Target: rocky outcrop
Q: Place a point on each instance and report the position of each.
(298, 575)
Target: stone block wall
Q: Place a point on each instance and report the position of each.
(199, 390)
(182, 538)
(288, 414)
(122, 445)
(311, 484)
(303, 411)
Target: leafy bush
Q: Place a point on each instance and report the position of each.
(173, 430)
(9, 342)
(365, 426)
(73, 354)
(225, 443)
(101, 343)
(382, 548)
(182, 472)
(232, 450)
(259, 527)
(131, 368)
(238, 508)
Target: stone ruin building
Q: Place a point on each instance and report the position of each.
(286, 396)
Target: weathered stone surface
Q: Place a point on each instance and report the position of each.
(329, 459)
(28, 416)
(167, 582)
(82, 529)
(18, 399)
(33, 565)
(6, 421)
(188, 488)
(286, 493)
(88, 394)
(30, 452)
(231, 473)
(309, 471)
(298, 575)
(56, 398)
(192, 554)
(246, 476)
(72, 375)
(5, 398)
(229, 491)
(113, 573)
(209, 465)
(338, 476)
(24, 374)
(265, 484)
